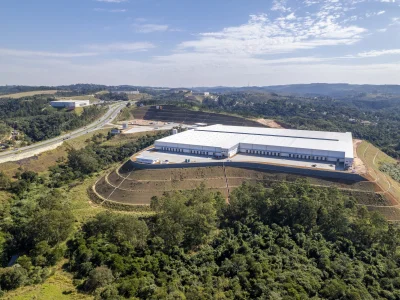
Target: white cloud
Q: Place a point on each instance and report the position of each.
(375, 53)
(110, 10)
(190, 72)
(382, 30)
(121, 47)
(280, 5)
(264, 36)
(380, 12)
(148, 28)
(25, 53)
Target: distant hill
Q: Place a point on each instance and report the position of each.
(338, 90)
(335, 89)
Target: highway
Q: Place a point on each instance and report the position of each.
(28, 151)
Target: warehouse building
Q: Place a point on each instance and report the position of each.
(69, 103)
(222, 141)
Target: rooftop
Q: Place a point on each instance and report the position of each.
(226, 137)
(70, 100)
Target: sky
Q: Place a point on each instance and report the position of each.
(189, 43)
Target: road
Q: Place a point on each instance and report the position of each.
(37, 148)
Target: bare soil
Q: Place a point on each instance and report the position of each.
(138, 186)
(269, 123)
(358, 164)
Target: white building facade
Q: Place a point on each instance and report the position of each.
(227, 141)
(69, 103)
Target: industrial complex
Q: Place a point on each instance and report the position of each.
(69, 103)
(220, 141)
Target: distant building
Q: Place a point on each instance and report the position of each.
(69, 103)
(128, 92)
(115, 131)
(206, 94)
(366, 123)
(147, 160)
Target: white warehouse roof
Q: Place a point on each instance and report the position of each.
(70, 101)
(226, 137)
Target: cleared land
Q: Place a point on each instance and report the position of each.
(270, 123)
(171, 113)
(136, 187)
(372, 157)
(26, 94)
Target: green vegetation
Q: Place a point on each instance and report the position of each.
(290, 241)
(37, 219)
(95, 157)
(38, 121)
(113, 96)
(392, 169)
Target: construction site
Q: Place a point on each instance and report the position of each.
(130, 187)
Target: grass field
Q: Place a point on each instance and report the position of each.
(372, 158)
(57, 286)
(26, 94)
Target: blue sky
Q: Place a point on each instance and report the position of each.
(199, 43)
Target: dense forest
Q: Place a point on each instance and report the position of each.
(287, 241)
(39, 121)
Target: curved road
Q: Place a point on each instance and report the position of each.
(28, 151)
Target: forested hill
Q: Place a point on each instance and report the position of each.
(339, 90)
(37, 120)
(335, 90)
(290, 241)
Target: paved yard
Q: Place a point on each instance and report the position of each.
(180, 158)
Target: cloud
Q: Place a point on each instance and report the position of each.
(375, 53)
(380, 12)
(148, 28)
(282, 35)
(121, 47)
(280, 5)
(25, 53)
(112, 1)
(189, 72)
(110, 10)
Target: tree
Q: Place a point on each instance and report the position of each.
(13, 277)
(98, 278)
(82, 161)
(5, 181)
